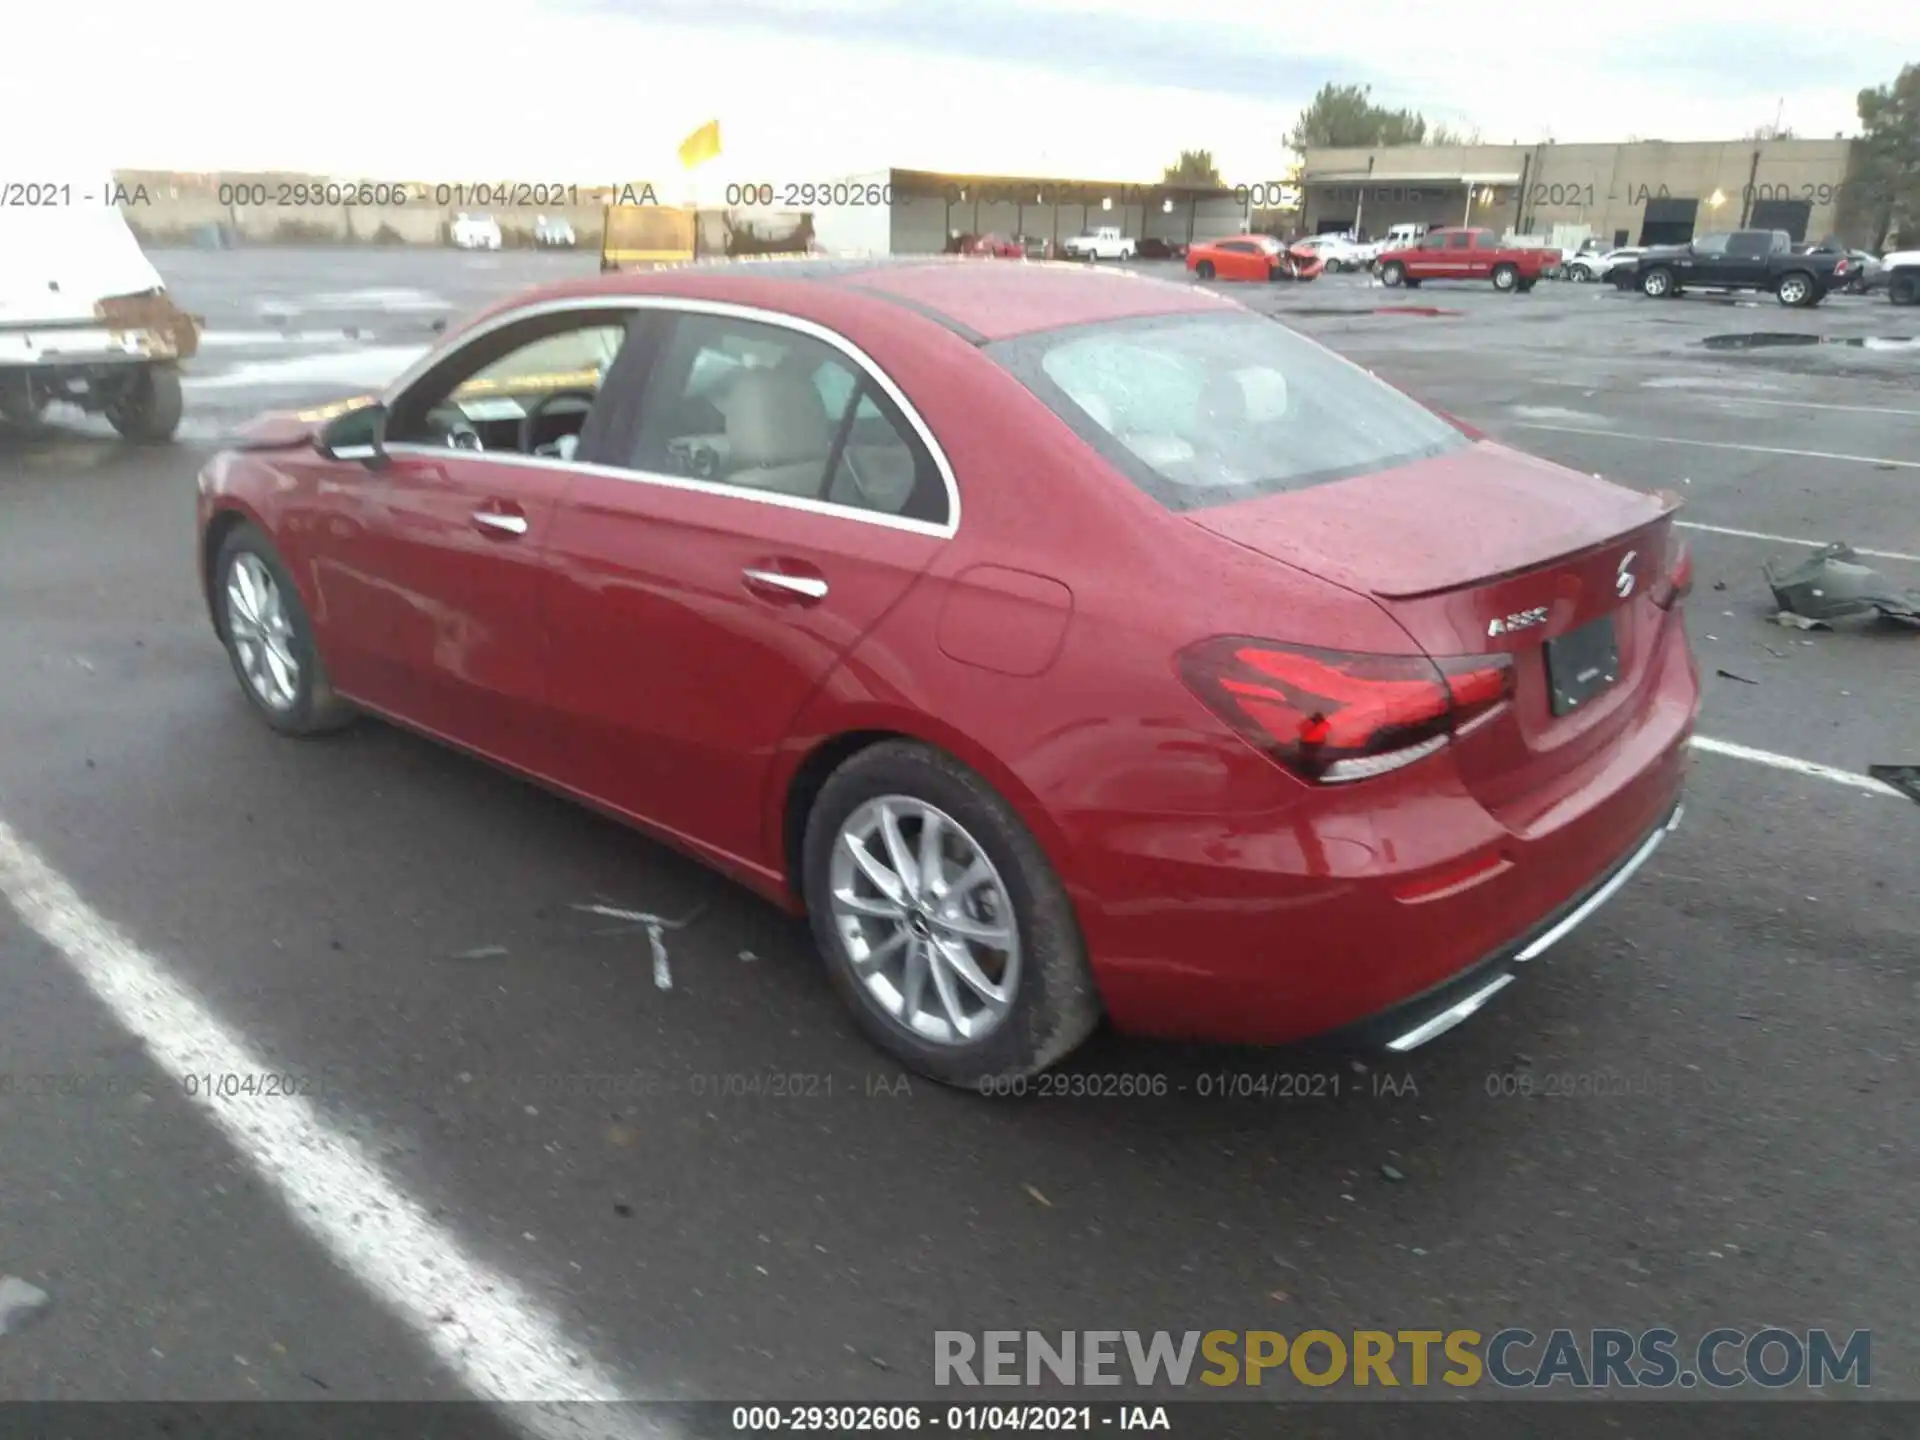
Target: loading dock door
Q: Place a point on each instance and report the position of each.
(1669, 222)
(1792, 216)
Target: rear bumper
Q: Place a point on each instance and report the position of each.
(80, 349)
(1412, 1023)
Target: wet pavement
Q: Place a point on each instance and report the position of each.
(718, 1189)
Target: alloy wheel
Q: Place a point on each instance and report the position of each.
(262, 633)
(925, 921)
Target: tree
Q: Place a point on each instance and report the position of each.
(1194, 168)
(1342, 116)
(1447, 135)
(1882, 195)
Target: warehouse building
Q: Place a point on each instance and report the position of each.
(919, 212)
(1648, 192)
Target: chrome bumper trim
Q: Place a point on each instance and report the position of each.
(1450, 1017)
(1461, 1009)
(1606, 892)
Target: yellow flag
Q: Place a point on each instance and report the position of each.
(701, 146)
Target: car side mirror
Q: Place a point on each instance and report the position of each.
(360, 434)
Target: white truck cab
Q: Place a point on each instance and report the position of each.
(1106, 243)
(475, 232)
(86, 319)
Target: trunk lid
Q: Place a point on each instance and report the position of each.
(1488, 551)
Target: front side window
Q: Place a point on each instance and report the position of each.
(753, 406)
(526, 388)
(1205, 410)
(1431, 242)
(1711, 244)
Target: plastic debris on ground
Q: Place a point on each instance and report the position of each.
(1904, 778)
(20, 1304)
(1832, 584)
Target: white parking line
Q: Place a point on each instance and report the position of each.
(1796, 766)
(1813, 405)
(1793, 540)
(1885, 460)
(493, 1333)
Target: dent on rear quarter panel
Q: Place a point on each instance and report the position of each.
(1008, 621)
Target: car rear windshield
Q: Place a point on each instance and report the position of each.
(1201, 410)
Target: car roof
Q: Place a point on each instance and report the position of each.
(981, 300)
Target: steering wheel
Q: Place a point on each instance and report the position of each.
(456, 431)
(540, 407)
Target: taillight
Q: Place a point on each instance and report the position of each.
(1674, 586)
(1331, 716)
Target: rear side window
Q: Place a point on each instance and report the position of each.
(1201, 410)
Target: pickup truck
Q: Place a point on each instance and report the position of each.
(1459, 253)
(1736, 260)
(1900, 273)
(1106, 243)
(86, 320)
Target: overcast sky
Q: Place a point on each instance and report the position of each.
(587, 90)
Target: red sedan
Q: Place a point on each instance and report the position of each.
(1060, 641)
(994, 247)
(1253, 257)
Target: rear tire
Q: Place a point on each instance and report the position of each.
(1204, 270)
(21, 403)
(1797, 290)
(147, 408)
(1580, 274)
(1506, 277)
(1904, 290)
(305, 706)
(1053, 1006)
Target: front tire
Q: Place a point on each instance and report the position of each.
(942, 924)
(269, 640)
(148, 405)
(1657, 283)
(1204, 270)
(1580, 274)
(1904, 290)
(1393, 274)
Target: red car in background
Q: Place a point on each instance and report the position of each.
(1458, 253)
(1059, 641)
(1253, 257)
(998, 247)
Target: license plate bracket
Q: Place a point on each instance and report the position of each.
(1582, 664)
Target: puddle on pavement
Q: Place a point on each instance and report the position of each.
(1777, 339)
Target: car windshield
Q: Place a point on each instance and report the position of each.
(1201, 410)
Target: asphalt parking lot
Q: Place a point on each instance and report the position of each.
(571, 1163)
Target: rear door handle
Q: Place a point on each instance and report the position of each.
(809, 587)
(500, 524)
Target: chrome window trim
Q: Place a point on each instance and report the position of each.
(681, 482)
(864, 362)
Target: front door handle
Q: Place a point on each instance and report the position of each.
(810, 587)
(500, 524)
